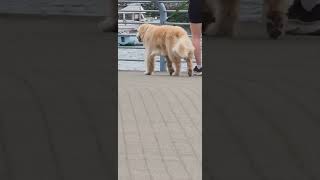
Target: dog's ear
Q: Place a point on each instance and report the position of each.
(138, 29)
(143, 27)
(141, 30)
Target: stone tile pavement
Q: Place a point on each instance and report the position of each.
(160, 128)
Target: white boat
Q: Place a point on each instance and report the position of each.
(126, 27)
(125, 39)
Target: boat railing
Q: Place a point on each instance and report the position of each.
(163, 12)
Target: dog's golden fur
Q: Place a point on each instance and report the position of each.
(169, 41)
(226, 14)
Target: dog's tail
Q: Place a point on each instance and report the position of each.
(183, 47)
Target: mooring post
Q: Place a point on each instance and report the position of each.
(163, 19)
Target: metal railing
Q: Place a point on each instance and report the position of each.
(163, 12)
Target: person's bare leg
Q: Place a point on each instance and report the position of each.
(196, 31)
(110, 24)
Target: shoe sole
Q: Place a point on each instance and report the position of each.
(197, 73)
(297, 27)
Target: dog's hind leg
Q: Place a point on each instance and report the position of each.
(177, 63)
(189, 65)
(169, 65)
(275, 16)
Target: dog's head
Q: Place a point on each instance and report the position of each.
(141, 31)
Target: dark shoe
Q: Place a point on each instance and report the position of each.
(302, 21)
(197, 71)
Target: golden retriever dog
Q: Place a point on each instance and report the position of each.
(169, 41)
(226, 15)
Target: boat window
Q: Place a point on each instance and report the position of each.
(122, 39)
(128, 16)
(136, 17)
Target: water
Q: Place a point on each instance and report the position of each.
(132, 59)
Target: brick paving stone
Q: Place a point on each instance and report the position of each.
(160, 124)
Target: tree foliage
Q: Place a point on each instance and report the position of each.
(172, 17)
(179, 16)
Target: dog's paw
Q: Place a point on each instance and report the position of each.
(276, 25)
(148, 73)
(190, 73)
(176, 74)
(171, 72)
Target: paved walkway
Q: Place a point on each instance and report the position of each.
(160, 128)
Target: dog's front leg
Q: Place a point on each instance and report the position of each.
(149, 63)
(146, 62)
(275, 17)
